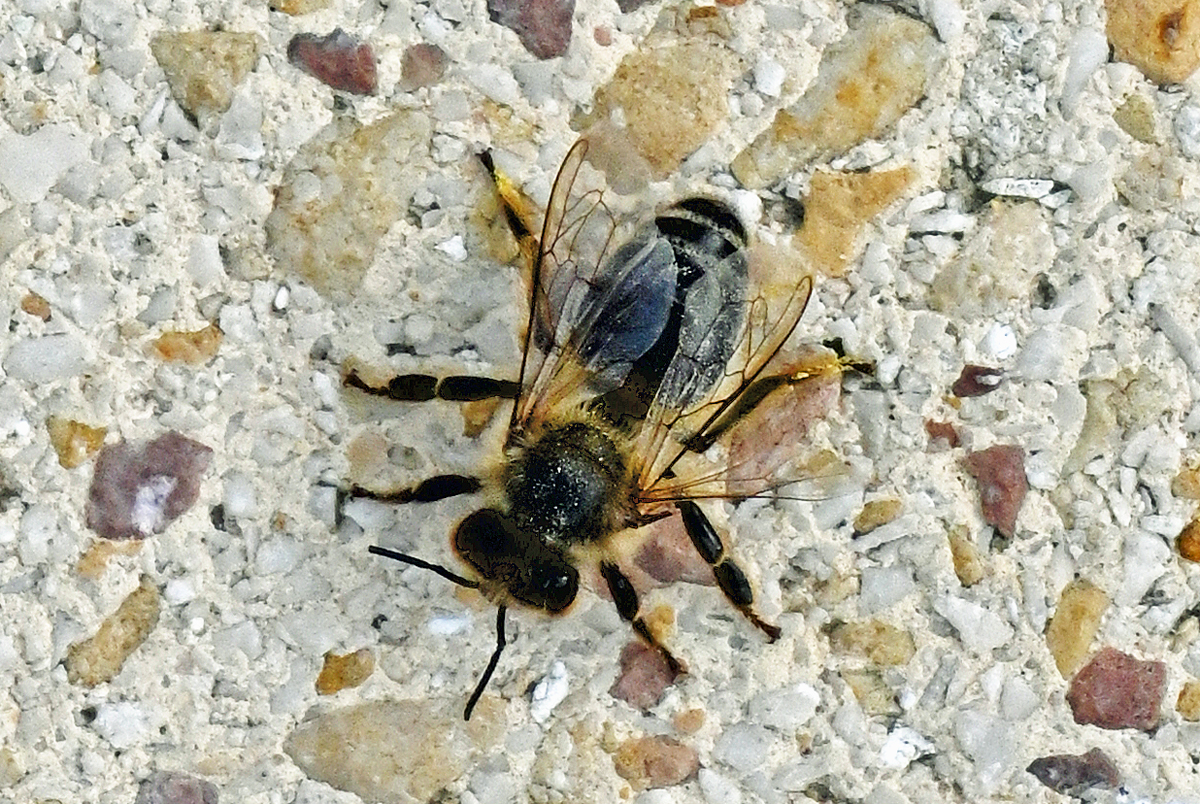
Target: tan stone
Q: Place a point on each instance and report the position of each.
(655, 761)
(1188, 542)
(1188, 703)
(341, 193)
(204, 67)
(873, 694)
(864, 84)
(99, 658)
(879, 642)
(968, 565)
(672, 98)
(1159, 37)
(194, 348)
(837, 208)
(1074, 625)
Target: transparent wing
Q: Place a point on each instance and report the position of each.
(681, 419)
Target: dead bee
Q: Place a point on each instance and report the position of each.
(633, 357)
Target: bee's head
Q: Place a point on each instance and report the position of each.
(529, 570)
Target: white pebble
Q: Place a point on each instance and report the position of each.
(240, 499)
(1187, 130)
(1000, 342)
(204, 260)
(768, 77)
(123, 724)
(1087, 51)
(179, 591)
(788, 708)
(454, 248)
(46, 359)
(717, 789)
(743, 746)
(902, 746)
(1145, 558)
(549, 692)
(31, 164)
(881, 587)
(979, 628)
(448, 624)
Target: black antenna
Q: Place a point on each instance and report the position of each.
(416, 562)
(405, 558)
(491, 667)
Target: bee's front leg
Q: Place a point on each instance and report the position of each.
(626, 599)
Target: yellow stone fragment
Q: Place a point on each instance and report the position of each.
(879, 642)
(204, 67)
(74, 441)
(968, 565)
(1076, 620)
(876, 513)
(344, 670)
(1188, 703)
(99, 658)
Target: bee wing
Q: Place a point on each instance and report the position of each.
(591, 315)
(684, 416)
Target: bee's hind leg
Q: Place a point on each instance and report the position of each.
(626, 599)
(423, 387)
(729, 575)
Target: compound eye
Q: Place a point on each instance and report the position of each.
(488, 541)
(552, 585)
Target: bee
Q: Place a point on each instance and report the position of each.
(635, 357)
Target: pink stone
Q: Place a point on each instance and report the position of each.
(644, 676)
(339, 60)
(1071, 775)
(668, 555)
(138, 490)
(1000, 471)
(1116, 691)
(423, 65)
(543, 26)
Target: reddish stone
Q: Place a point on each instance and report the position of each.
(339, 60)
(644, 676)
(668, 555)
(942, 431)
(138, 490)
(1116, 691)
(977, 381)
(1000, 471)
(1071, 775)
(543, 26)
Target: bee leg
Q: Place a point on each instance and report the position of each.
(438, 487)
(423, 387)
(626, 599)
(729, 575)
(491, 666)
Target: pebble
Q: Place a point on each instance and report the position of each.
(1000, 471)
(30, 164)
(672, 97)
(172, 787)
(341, 193)
(74, 441)
(1188, 541)
(138, 490)
(1071, 774)
(422, 65)
(194, 348)
(549, 692)
(124, 724)
(336, 59)
(1116, 691)
(785, 709)
(743, 746)
(979, 628)
(47, 359)
(655, 761)
(1074, 625)
(977, 381)
(838, 207)
(1188, 702)
(875, 640)
(356, 748)
(968, 564)
(345, 670)
(865, 82)
(543, 26)
(881, 587)
(100, 657)
(204, 68)
(644, 677)
(1159, 37)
